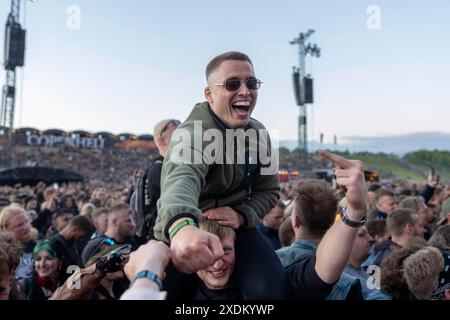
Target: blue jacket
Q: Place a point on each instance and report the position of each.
(380, 252)
(300, 248)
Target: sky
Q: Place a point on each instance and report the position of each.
(133, 63)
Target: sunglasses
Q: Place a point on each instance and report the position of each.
(175, 122)
(235, 84)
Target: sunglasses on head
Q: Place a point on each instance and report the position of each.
(175, 122)
(235, 84)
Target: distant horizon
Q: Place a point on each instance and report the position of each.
(389, 144)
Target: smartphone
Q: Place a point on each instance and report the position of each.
(56, 186)
(432, 171)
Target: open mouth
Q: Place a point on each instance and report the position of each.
(217, 274)
(241, 108)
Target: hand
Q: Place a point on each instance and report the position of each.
(51, 203)
(194, 249)
(350, 177)
(433, 179)
(153, 256)
(225, 216)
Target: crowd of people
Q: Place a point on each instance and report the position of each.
(219, 231)
(99, 167)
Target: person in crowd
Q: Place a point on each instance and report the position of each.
(65, 243)
(360, 252)
(109, 288)
(314, 214)
(236, 195)
(87, 210)
(47, 273)
(5, 276)
(10, 253)
(271, 223)
(412, 272)
(371, 198)
(60, 219)
(120, 228)
(432, 183)
(418, 205)
(378, 230)
(151, 179)
(44, 220)
(217, 281)
(441, 241)
(100, 221)
(99, 197)
(286, 232)
(96, 281)
(31, 203)
(444, 215)
(68, 203)
(385, 203)
(15, 220)
(402, 225)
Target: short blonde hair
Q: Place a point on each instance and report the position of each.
(7, 213)
(421, 271)
(10, 211)
(159, 129)
(215, 228)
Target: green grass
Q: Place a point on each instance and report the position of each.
(388, 165)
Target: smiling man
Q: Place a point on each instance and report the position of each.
(217, 282)
(235, 194)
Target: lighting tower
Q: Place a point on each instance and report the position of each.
(303, 90)
(14, 56)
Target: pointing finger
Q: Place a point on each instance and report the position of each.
(338, 160)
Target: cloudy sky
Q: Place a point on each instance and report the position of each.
(132, 63)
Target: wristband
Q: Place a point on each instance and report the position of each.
(149, 275)
(351, 223)
(184, 223)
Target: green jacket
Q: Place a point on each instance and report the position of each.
(189, 189)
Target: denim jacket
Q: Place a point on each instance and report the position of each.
(300, 248)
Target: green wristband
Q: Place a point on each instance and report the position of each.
(184, 223)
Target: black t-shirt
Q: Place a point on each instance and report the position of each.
(68, 253)
(304, 281)
(230, 293)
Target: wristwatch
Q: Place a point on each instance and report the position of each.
(351, 223)
(149, 275)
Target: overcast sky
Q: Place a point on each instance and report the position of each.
(132, 63)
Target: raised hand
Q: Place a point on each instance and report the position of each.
(350, 177)
(194, 249)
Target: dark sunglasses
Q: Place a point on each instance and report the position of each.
(175, 122)
(235, 84)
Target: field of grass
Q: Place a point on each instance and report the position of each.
(412, 167)
(389, 167)
(394, 167)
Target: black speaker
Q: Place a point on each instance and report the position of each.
(14, 46)
(308, 85)
(297, 89)
(10, 91)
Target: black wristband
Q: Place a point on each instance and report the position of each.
(351, 223)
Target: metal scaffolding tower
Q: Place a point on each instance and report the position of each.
(303, 90)
(14, 54)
